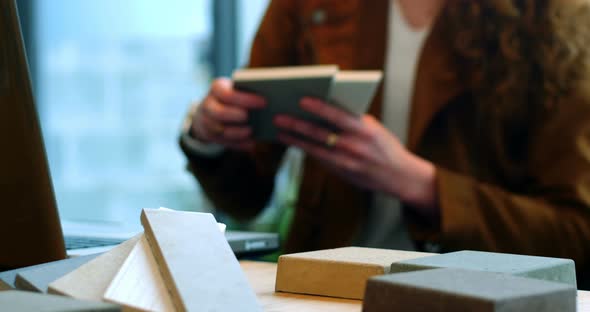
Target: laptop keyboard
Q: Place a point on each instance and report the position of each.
(79, 242)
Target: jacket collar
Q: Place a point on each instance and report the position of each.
(372, 42)
(436, 81)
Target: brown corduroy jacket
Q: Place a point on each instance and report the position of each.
(535, 201)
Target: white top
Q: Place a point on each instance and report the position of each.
(385, 227)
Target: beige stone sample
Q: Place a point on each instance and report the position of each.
(90, 281)
(340, 272)
(37, 279)
(196, 262)
(139, 285)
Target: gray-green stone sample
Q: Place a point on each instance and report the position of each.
(444, 290)
(26, 301)
(544, 268)
(38, 278)
(54, 270)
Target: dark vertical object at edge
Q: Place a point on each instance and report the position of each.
(28, 23)
(30, 232)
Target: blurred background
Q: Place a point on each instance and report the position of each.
(113, 80)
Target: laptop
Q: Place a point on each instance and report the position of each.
(30, 227)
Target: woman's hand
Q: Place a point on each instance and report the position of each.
(222, 116)
(364, 152)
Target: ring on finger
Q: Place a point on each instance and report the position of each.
(331, 140)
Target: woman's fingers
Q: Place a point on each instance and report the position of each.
(223, 133)
(303, 128)
(221, 112)
(335, 158)
(222, 89)
(345, 142)
(222, 117)
(341, 119)
(211, 127)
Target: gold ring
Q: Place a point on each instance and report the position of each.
(331, 140)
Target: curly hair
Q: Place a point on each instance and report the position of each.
(520, 51)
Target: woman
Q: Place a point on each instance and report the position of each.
(497, 151)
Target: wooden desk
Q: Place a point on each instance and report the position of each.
(262, 278)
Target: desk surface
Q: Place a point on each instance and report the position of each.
(262, 278)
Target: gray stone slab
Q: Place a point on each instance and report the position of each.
(463, 290)
(544, 268)
(38, 278)
(25, 301)
(8, 279)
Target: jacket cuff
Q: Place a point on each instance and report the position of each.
(459, 211)
(197, 148)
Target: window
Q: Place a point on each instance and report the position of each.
(250, 12)
(113, 81)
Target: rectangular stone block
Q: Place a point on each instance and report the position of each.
(197, 264)
(91, 280)
(340, 272)
(550, 269)
(38, 279)
(26, 301)
(449, 290)
(139, 285)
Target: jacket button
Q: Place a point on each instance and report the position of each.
(318, 16)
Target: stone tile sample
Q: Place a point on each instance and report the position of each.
(196, 262)
(38, 279)
(139, 285)
(550, 269)
(340, 272)
(90, 281)
(449, 290)
(26, 301)
(8, 278)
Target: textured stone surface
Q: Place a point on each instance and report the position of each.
(25, 301)
(139, 285)
(195, 260)
(38, 279)
(340, 272)
(462, 290)
(90, 281)
(550, 269)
